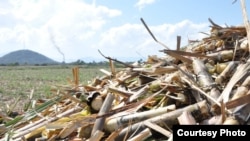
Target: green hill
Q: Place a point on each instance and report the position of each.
(25, 57)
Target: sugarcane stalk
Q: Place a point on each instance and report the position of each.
(198, 89)
(113, 135)
(141, 136)
(186, 53)
(220, 67)
(30, 125)
(242, 113)
(66, 131)
(178, 56)
(90, 88)
(163, 70)
(227, 72)
(106, 72)
(27, 131)
(223, 55)
(241, 72)
(244, 44)
(120, 92)
(246, 21)
(205, 79)
(112, 67)
(29, 115)
(155, 70)
(122, 121)
(137, 94)
(143, 70)
(69, 96)
(143, 79)
(96, 136)
(243, 89)
(75, 72)
(170, 138)
(96, 103)
(239, 101)
(158, 128)
(178, 45)
(3, 129)
(85, 131)
(230, 121)
(215, 120)
(173, 77)
(5, 117)
(186, 119)
(169, 118)
(99, 123)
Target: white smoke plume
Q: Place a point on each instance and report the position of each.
(52, 38)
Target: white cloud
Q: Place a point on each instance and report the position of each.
(6, 34)
(79, 30)
(133, 40)
(142, 3)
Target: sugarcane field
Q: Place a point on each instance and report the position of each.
(205, 82)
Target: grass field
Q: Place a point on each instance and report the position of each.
(18, 81)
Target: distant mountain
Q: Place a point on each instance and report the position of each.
(25, 57)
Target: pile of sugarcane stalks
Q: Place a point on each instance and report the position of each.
(204, 83)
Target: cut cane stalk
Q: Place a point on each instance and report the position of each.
(241, 72)
(168, 118)
(206, 82)
(186, 119)
(227, 72)
(158, 128)
(99, 123)
(215, 120)
(230, 121)
(243, 89)
(118, 122)
(224, 55)
(141, 136)
(27, 132)
(97, 135)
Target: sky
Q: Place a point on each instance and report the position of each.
(68, 30)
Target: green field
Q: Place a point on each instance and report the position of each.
(16, 82)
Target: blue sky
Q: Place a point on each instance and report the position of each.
(76, 29)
